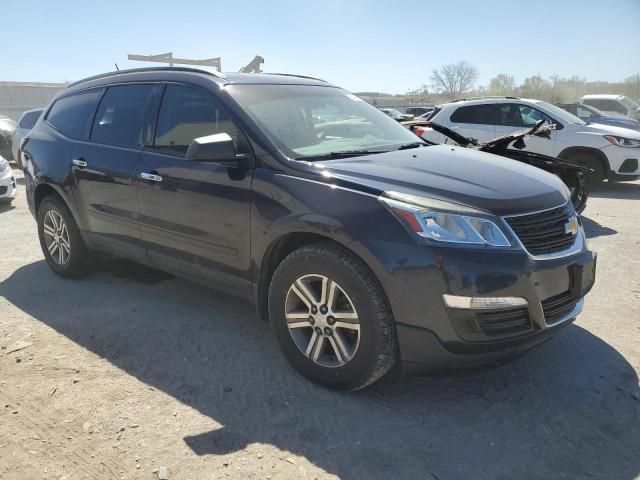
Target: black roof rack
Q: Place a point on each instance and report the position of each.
(147, 69)
(294, 75)
(486, 96)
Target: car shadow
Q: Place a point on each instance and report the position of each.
(564, 410)
(6, 207)
(618, 190)
(593, 229)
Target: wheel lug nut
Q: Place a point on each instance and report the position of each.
(323, 309)
(318, 330)
(328, 331)
(312, 320)
(331, 320)
(314, 309)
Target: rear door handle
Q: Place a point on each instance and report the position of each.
(79, 162)
(152, 177)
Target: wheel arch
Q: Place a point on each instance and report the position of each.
(43, 190)
(283, 245)
(596, 153)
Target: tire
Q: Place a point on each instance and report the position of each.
(366, 352)
(76, 259)
(589, 160)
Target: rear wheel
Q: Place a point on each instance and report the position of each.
(589, 160)
(330, 317)
(62, 245)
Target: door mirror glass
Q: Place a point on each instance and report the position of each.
(212, 148)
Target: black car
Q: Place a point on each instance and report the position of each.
(512, 145)
(359, 243)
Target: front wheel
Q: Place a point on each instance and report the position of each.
(331, 317)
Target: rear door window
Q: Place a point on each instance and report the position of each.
(70, 115)
(121, 115)
(187, 113)
(29, 120)
(478, 114)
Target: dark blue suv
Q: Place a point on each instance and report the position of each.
(360, 243)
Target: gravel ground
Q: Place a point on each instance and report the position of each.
(133, 374)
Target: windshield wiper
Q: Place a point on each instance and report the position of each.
(407, 146)
(343, 154)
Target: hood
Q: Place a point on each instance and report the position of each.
(617, 121)
(456, 174)
(602, 129)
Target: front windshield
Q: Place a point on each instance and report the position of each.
(561, 114)
(307, 121)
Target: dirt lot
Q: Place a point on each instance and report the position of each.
(131, 372)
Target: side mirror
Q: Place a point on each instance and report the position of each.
(213, 148)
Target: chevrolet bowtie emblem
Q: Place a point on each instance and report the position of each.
(571, 226)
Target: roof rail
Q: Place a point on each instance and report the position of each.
(294, 75)
(486, 96)
(147, 69)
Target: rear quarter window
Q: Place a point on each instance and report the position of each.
(479, 114)
(69, 115)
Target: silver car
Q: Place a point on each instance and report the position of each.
(25, 124)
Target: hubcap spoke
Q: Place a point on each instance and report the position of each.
(48, 230)
(339, 349)
(303, 292)
(52, 247)
(350, 326)
(349, 317)
(315, 354)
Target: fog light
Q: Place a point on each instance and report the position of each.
(481, 303)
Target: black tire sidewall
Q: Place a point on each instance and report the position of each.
(361, 366)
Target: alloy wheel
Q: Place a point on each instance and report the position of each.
(322, 320)
(56, 237)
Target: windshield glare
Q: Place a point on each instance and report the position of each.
(311, 121)
(561, 114)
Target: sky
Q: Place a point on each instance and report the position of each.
(376, 45)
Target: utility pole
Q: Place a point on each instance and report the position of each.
(169, 58)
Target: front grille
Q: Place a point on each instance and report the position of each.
(557, 306)
(544, 232)
(3, 190)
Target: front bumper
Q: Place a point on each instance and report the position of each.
(430, 333)
(8, 187)
(624, 163)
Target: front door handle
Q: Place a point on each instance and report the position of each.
(152, 177)
(79, 162)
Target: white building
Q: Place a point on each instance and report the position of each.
(17, 97)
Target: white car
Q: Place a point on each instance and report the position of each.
(614, 105)
(612, 152)
(7, 182)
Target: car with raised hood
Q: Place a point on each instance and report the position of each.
(26, 122)
(590, 114)
(613, 153)
(358, 242)
(615, 105)
(512, 146)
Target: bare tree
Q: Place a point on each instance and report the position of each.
(454, 79)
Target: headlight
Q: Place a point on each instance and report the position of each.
(445, 226)
(623, 142)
